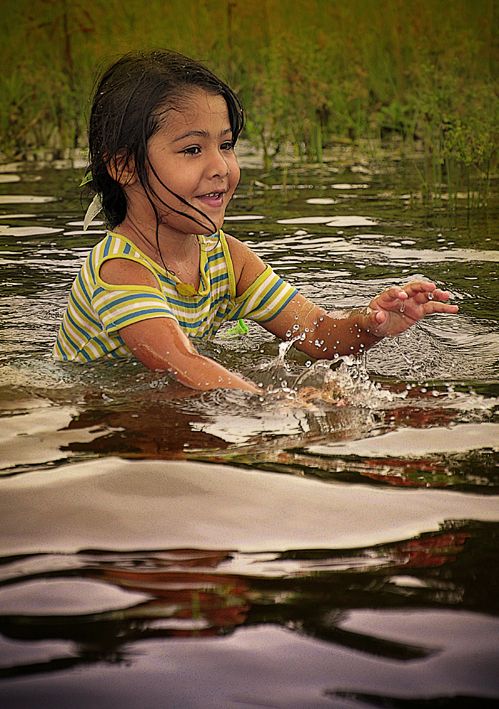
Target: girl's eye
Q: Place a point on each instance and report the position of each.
(192, 150)
(228, 145)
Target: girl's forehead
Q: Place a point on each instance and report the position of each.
(196, 110)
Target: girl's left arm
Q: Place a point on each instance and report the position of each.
(322, 335)
(388, 314)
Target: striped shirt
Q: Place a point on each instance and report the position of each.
(97, 310)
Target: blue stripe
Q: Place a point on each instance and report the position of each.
(82, 286)
(185, 304)
(127, 249)
(221, 299)
(262, 303)
(126, 299)
(191, 325)
(282, 306)
(267, 297)
(221, 277)
(219, 256)
(164, 278)
(60, 350)
(91, 267)
(84, 312)
(119, 322)
(115, 355)
(76, 326)
(102, 345)
(107, 246)
(78, 350)
(65, 333)
(237, 315)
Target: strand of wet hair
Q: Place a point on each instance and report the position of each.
(182, 200)
(177, 211)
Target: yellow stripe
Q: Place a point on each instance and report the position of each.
(230, 265)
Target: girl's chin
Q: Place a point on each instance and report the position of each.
(209, 225)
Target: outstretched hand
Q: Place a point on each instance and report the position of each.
(398, 308)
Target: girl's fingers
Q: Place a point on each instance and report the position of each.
(424, 295)
(429, 296)
(379, 317)
(416, 287)
(437, 307)
(394, 293)
(441, 294)
(420, 291)
(437, 294)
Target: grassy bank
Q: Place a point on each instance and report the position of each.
(310, 72)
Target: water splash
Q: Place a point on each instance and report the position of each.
(343, 381)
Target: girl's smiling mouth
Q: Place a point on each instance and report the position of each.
(212, 199)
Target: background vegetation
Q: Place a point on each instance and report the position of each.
(310, 72)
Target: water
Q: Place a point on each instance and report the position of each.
(332, 542)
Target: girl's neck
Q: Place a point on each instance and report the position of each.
(178, 253)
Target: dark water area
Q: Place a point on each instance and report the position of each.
(162, 547)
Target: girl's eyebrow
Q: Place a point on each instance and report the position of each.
(200, 134)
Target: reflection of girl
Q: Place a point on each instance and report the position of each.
(203, 602)
(162, 135)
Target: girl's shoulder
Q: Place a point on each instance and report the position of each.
(245, 262)
(111, 245)
(116, 260)
(238, 250)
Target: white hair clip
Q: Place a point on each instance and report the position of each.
(93, 210)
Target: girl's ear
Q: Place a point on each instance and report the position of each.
(122, 169)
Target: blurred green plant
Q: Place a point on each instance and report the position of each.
(311, 73)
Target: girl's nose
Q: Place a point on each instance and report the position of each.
(218, 165)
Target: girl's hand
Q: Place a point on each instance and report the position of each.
(397, 308)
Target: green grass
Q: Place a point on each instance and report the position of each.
(310, 72)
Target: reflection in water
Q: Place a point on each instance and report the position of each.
(200, 593)
(400, 624)
(384, 700)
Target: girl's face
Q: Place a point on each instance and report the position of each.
(193, 155)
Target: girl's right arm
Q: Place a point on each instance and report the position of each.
(161, 345)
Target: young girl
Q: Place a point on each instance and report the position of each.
(161, 136)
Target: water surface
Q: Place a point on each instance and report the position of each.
(161, 547)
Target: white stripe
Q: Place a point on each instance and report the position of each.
(114, 314)
(66, 347)
(78, 317)
(92, 349)
(259, 294)
(72, 332)
(108, 297)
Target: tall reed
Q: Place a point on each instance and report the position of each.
(310, 72)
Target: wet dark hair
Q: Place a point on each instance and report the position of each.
(130, 104)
